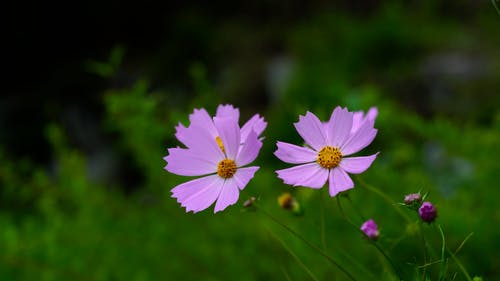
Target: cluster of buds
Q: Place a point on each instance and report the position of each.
(414, 201)
(426, 209)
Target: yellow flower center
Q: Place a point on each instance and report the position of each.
(221, 145)
(329, 157)
(226, 168)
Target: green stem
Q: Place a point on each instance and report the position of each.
(453, 254)
(312, 246)
(442, 270)
(395, 268)
(286, 274)
(424, 241)
(355, 209)
(385, 197)
(460, 265)
(356, 263)
(322, 210)
(297, 259)
(463, 243)
(495, 5)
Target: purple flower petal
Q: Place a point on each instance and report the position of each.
(339, 126)
(359, 118)
(309, 175)
(339, 181)
(294, 154)
(198, 194)
(317, 180)
(189, 136)
(360, 139)
(357, 165)
(229, 111)
(181, 133)
(256, 123)
(204, 143)
(249, 150)
(372, 113)
(228, 195)
(198, 119)
(201, 118)
(186, 163)
(311, 130)
(229, 133)
(244, 175)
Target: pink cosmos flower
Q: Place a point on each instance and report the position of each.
(219, 156)
(324, 157)
(201, 118)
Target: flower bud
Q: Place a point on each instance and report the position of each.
(287, 202)
(414, 198)
(427, 212)
(370, 229)
(249, 202)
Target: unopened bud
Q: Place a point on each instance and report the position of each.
(249, 202)
(427, 212)
(370, 229)
(287, 202)
(414, 198)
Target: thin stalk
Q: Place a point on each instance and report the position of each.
(311, 245)
(442, 270)
(395, 268)
(456, 260)
(355, 209)
(357, 264)
(429, 264)
(322, 210)
(297, 259)
(494, 2)
(424, 241)
(463, 243)
(385, 197)
(286, 274)
(460, 265)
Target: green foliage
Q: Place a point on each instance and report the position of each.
(109, 68)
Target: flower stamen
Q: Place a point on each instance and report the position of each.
(226, 168)
(329, 157)
(220, 144)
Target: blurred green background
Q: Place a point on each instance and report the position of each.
(93, 94)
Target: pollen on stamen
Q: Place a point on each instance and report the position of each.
(329, 157)
(226, 168)
(220, 144)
